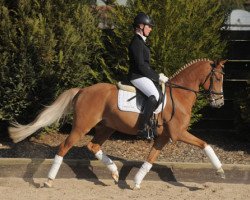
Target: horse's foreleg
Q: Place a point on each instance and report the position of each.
(159, 143)
(191, 139)
(102, 133)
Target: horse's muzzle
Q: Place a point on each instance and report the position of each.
(216, 101)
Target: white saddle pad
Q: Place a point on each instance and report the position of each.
(126, 102)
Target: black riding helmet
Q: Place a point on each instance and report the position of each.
(142, 18)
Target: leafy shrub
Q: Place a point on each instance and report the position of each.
(184, 31)
(46, 47)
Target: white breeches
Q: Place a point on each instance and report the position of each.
(146, 86)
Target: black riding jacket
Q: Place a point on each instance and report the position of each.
(139, 57)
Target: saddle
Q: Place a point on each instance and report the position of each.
(132, 100)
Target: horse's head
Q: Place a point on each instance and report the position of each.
(213, 84)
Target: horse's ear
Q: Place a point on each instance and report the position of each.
(222, 62)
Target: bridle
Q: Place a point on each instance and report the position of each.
(208, 93)
(212, 75)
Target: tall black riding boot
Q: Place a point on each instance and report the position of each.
(148, 110)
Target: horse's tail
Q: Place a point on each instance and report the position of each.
(59, 108)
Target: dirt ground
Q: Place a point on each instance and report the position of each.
(25, 189)
(229, 148)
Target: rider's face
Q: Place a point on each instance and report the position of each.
(146, 29)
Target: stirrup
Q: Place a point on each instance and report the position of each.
(147, 133)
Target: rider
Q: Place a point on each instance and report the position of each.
(141, 75)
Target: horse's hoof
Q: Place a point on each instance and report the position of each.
(220, 172)
(136, 187)
(48, 184)
(115, 176)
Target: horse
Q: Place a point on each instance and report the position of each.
(96, 107)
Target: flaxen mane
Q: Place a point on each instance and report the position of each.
(188, 65)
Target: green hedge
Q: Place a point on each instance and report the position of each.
(46, 47)
(184, 30)
(49, 46)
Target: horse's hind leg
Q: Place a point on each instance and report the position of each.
(81, 127)
(64, 147)
(102, 133)
(191, 139)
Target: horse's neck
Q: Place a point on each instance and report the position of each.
(191, 77)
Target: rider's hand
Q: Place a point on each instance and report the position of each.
(163, 78)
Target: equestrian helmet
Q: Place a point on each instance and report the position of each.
(142, 18)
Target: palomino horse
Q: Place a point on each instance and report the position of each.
(96, 106)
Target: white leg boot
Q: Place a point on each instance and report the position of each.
(109, 163)
(53, 171)
(214, 160)
(145, 168)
